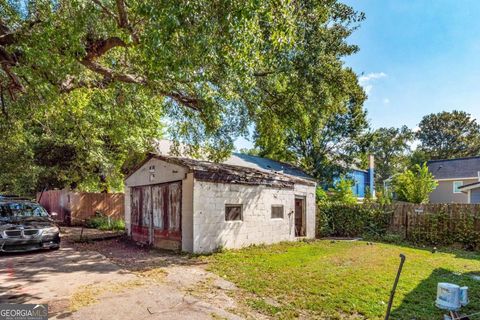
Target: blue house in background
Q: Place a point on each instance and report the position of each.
(363, 180)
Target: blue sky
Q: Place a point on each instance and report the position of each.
(416, 57)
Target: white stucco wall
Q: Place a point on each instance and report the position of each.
(211, 231)
(164, 172)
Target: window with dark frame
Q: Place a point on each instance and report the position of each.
(233, 212)
(277, 211)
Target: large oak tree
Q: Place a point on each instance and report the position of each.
(102, 78)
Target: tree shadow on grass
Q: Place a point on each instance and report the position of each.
(419, 303)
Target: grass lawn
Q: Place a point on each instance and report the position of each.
(343, 279)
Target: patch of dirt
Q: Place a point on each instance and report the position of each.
(90, 294)
(58, 306)
(156, 275)
(159, 270)
(136, 257)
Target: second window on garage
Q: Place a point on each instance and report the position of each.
(277, 211)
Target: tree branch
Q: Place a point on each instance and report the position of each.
(105, 9)
(123, 20)
(15, 83)
(100, 47)
(122, 14)
(111, 74)
(4, 106)
(185, 100)
(8, 37)
(97, 49)
(70, 84)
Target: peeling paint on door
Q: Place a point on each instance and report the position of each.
(156, 215)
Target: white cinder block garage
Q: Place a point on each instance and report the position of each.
(199, 206)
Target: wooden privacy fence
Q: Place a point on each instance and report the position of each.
(413, 220)
(442, 224)
(73, 208)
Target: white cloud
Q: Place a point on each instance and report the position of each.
(371, 76)
(366, 80)
(386, 101)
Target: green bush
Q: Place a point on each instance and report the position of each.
(342, 192)
(384, 196)
(393, 238)
(105, 223)
(442, 229)
(415, 185)
(372, 221)
(352, 220)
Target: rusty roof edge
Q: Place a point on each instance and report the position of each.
(196, 166)
(236, 179)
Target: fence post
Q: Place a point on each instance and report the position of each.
(406, 221)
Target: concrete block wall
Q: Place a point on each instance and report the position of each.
(211, 231)
(204, 228)
(187, 213)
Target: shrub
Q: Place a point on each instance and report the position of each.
(384, 196)
(414, 185)
(105, 223)
(352, 220)
(443, 227)
(440, 228)
(342, 192)
(321, 195)
(392, 238)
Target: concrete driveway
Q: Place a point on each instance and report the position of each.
(53, 276)
(113, 279)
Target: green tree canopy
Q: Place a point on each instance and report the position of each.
(447, 135)
(83, 140)
(97, 78)
(391, 149)
(325, 142)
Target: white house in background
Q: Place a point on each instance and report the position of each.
(200, 206)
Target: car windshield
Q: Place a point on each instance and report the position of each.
(19, 210)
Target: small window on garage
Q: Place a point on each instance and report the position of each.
(233, 212)
(456, 186)
(277, 211)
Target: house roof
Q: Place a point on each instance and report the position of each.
(235, 174)
(455, 168)
(265, 164)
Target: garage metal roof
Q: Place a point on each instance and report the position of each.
(265, 164)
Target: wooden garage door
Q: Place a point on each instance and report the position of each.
(156, 214)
